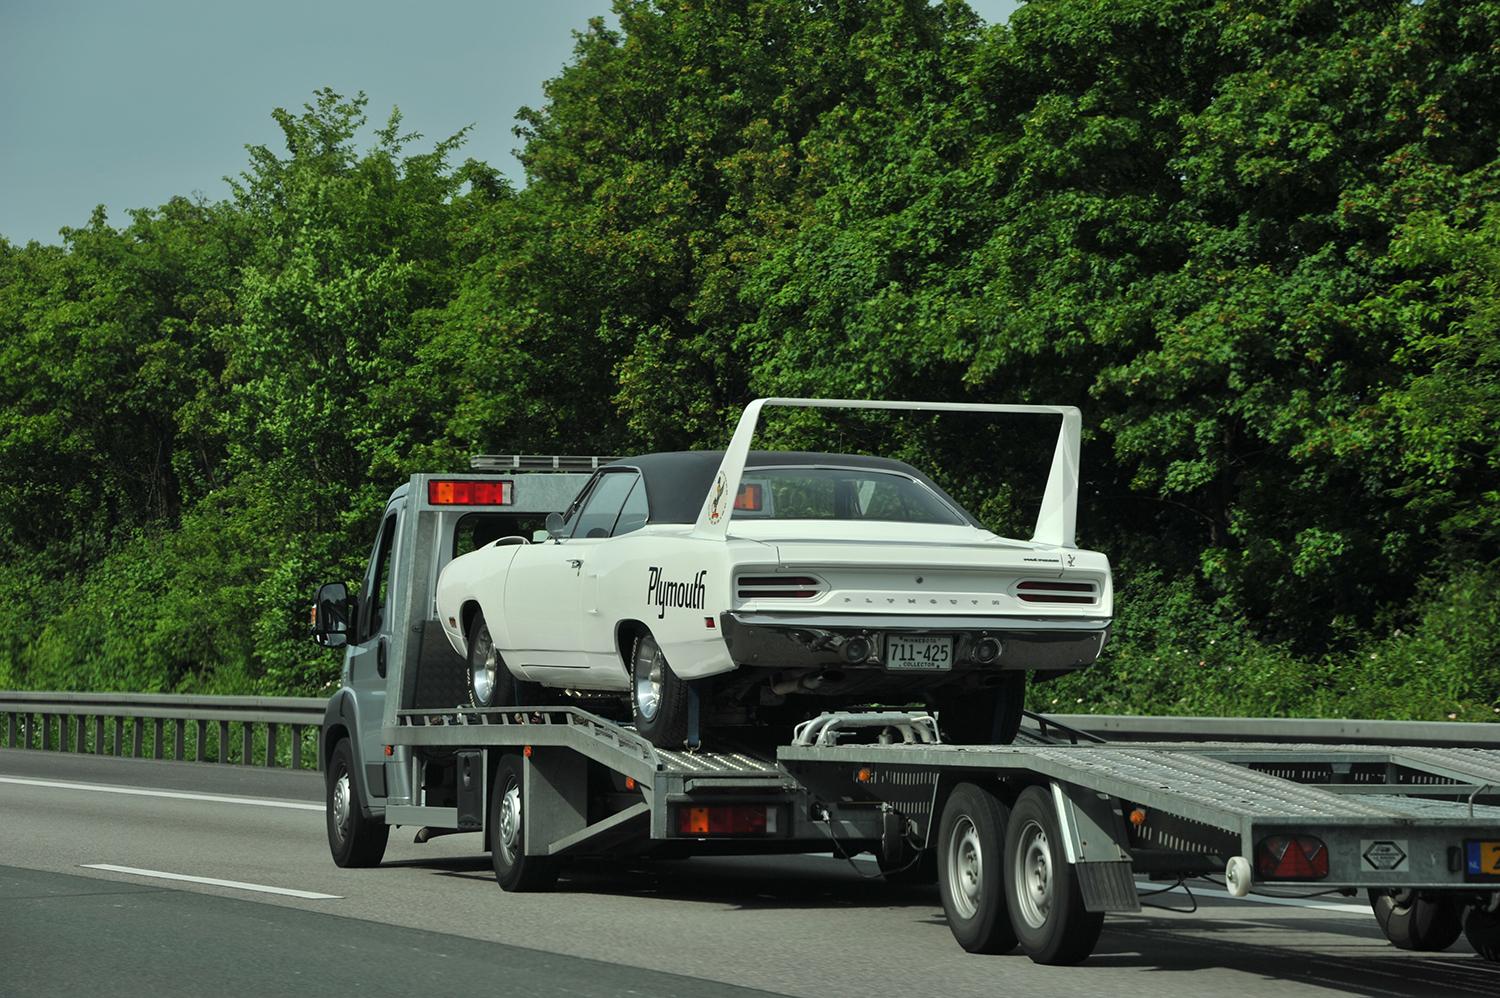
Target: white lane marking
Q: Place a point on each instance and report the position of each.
(169, 794)
(210, 881)
(1340, 907)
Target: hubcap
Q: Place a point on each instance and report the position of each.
(486, 669)
(509, 839)
(965, 867)
(341, 809)
(647, 670)
(1033, 875)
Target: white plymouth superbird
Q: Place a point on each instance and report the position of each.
(771, 585)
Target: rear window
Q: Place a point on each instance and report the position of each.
(839, 494)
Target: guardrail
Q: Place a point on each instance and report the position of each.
(233, 730)
(236, 730)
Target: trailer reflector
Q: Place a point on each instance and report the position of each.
(468, 492)
(726, 819)
(1291, 857)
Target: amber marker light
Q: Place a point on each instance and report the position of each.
(1138, 817)
(865, 775)
(526, 751)
(630, 783)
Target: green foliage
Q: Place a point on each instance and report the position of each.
(1258, 241)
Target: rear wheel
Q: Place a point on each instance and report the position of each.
(353, 839)
(1042, 891)
(1411, 921)
(970, 870)
(658, 698)
(989, 716)
(1482, 930)
(514, 870)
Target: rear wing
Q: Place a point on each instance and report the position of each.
(1056, 521)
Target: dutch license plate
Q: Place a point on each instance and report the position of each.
(1482, 860)
(918, 652)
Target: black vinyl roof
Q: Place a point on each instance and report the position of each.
(677, 482)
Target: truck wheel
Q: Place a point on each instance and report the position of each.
(970, 870)
(1411, 921)
(353, 839)
(491, 683)
(984, 717)
(514, 870)
(1046, 904)
(658, 699)
(1482, 930)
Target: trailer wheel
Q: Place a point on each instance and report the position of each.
(491, 683)
(514, 870)
(1482, 930)
(1046, 904)
(353, 839)
(984, 717)
(658, 698)
(970, 870)
(1411, 921)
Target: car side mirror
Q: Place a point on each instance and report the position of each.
(555, 526)
(330, 616)
(541, 536)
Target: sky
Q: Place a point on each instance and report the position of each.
(127, 103)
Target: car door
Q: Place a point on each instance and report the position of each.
(542, 590)
(368, 659)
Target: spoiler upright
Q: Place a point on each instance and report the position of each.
(1056, 521)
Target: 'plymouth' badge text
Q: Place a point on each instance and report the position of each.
(661, 593)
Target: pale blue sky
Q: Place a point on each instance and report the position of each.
(128, 102)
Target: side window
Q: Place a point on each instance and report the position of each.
(378, 584)
(633, 515)
(602, 508)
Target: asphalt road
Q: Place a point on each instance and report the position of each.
(431, 920)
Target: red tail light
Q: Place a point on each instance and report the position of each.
(1039, 591)
(778, 587)
(726, 819)
(470, 493)
(1291, 857)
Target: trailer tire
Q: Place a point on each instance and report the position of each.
(658, 698)
(1042, 890)
(1482, 930)
(1413, 922)
(353, 839)
(491, 683)
(514, 870)
(984, 717)
(970, 868)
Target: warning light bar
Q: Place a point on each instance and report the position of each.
(726, 819)
(448, 492)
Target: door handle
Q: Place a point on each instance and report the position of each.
(575, 563)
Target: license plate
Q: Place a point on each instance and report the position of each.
(1483, 860)
(920, 652)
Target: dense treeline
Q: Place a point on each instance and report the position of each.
(1257, 240)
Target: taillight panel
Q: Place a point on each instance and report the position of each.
(1291, 858)
(779, 587)
(1057, 591)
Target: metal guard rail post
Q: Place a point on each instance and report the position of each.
(85, 721)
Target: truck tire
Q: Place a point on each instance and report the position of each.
(1413, 922)
(984, 717)
(971, 870)
(491, 683)
(353, 839)
(658, 698)
(1482, 930)
(1042, 892)
(514, 870)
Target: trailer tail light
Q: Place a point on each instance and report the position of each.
(468, 492)
(1046, 591)
(705, 820)
(778, 587)
(1291, 857)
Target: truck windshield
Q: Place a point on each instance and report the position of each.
(839, 494)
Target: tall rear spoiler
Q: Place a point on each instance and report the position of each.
(1056, 521)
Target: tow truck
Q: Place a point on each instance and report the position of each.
(1032, 843)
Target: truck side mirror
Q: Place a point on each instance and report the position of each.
(330, 623)
(555, 529)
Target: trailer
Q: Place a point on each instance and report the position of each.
(1032, 844)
